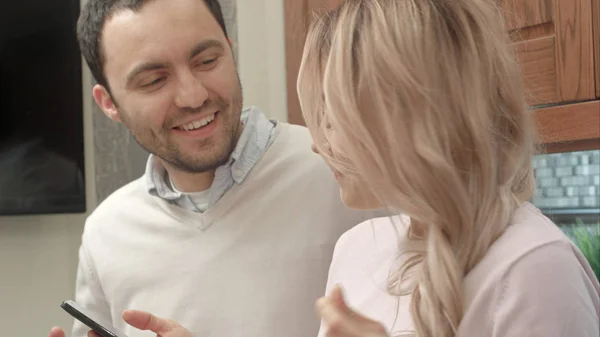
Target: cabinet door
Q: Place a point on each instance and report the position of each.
(596, 36)
(554, 42)
(298, 15)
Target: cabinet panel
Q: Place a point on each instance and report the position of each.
(298, 15)
(596, 33)
(555, 42)
(538, 63)
(557, 32)
(569, 123)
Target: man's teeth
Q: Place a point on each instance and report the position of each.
(198, 124)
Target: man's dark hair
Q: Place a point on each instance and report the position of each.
(91, 21)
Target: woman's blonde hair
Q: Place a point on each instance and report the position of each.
(428, 98)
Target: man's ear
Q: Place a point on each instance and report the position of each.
(106, 103)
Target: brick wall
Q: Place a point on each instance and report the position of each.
(568, 182)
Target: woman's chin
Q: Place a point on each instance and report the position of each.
(352, 198)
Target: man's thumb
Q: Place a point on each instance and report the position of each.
(146, 321)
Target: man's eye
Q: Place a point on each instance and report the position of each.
(154, 82)
(206, 63)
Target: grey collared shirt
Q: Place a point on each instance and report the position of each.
(256, 137)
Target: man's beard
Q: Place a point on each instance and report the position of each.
(211, 153)
(205, 163)
(200, 162)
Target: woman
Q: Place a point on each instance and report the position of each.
(418, 106)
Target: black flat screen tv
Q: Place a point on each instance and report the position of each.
(41, 108)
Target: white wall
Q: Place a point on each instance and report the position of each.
(261, 55)
(38, 258)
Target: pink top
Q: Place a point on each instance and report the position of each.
(532, 282)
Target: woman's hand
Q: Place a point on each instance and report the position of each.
(343, 322)
(146, 321)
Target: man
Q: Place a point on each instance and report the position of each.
(232, 228)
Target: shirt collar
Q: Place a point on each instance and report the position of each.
(251, 145)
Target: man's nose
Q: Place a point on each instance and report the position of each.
(191, 92)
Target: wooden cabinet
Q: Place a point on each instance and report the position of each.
(596, 36)
(558, 45)
(297, 16)
(553, 39)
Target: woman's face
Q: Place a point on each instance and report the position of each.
(354, 191)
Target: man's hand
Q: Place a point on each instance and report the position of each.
(57, 332)
(144, 321)
(343, 321)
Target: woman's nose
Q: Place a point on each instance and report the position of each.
(313, 147)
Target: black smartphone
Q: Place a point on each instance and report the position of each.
(101, 327)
